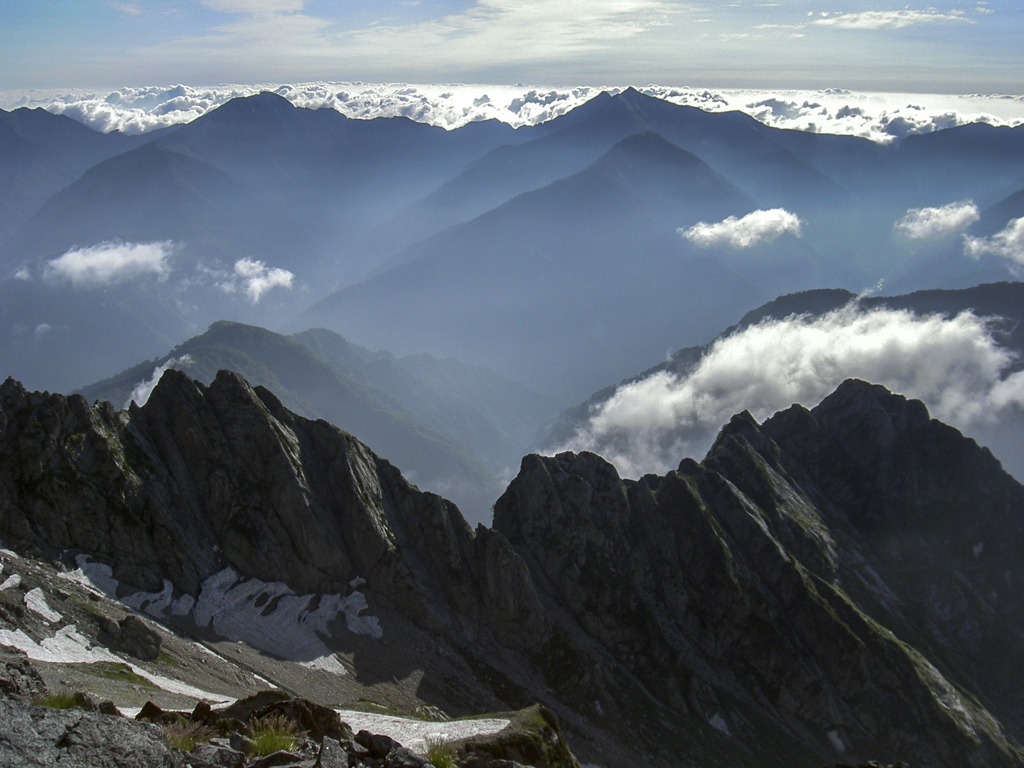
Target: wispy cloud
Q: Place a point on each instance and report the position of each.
(111, 262)
(141, 392)
(128, 9)
(746, 232)
(254, 279)
(953, 364)
(922, 223)
(874, 20)
(1008, 243)
(256, 7)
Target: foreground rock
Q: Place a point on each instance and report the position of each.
(38, 736)
(835, 585)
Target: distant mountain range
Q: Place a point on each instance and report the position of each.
(452, 428)
(547, 252)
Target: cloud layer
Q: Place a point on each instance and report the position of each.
(746, 232)
(1008, 244)
(921, 223)
(878, 116)
(110, 262)
(953, 364)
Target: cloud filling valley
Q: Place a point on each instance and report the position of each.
(955, 365)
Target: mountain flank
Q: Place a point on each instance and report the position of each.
(838, 584)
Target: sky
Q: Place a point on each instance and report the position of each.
(943, 46)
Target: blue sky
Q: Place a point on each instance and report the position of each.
(945, 47)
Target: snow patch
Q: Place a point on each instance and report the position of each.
(35, 601)
(10, 582)
(267, 616)
(833, 736)
(99, 578)
(717, 721)
(69, 646)
(271, 617)
(413, 734)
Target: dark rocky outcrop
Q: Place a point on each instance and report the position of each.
(130, 635)
(836, 584)
(37, 736)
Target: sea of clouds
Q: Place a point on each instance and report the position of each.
(954, 364)
(877, 116)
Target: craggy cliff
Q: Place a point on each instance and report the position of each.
(838, 584)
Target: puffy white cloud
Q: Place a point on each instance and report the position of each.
(953, 364)
(111, 262)
(254, 278)
(1008, 243)
(877, 116)
(141, 392)
(921, 223)
(746, 232)
(22, 273)
(873, 20)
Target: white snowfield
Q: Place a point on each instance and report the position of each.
(266, 615)
(69, 646)
(414, 734)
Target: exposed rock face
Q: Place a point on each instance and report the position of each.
(202, 478)
(798, 575)
(36, 736)
(840, 584)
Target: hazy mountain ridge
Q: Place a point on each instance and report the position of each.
(765, 607)
(452, 428)
(325, 200)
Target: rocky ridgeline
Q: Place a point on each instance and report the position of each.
(833, 585)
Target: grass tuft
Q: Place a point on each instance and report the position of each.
(273, 733)
(184, 735)
(441, 753)
(60, 700)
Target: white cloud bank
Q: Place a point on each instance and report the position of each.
(922, 223)
(1008, 243)
(111, 262)
(953, 364)
(141, 392)
(254, 279)
(750, 230)
(877, 116)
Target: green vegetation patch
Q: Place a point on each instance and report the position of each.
(273, 733)
(110, 670)
(63, 699)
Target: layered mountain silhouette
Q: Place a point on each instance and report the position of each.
(40, 153)
(572, 268)
(832, 585)
(583, 203)
(452, 428)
